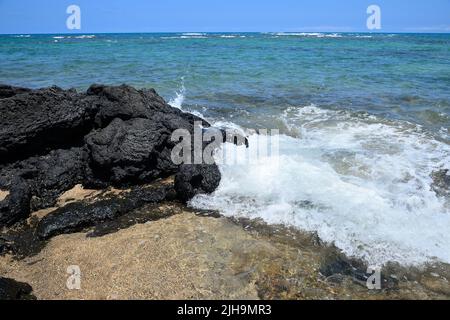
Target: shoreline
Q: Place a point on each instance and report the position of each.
(110, 201)
(219, 257)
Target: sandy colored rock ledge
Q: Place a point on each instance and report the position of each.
(184, 257)
(188, 256)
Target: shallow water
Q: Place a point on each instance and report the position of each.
(364, 120)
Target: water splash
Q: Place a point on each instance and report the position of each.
(359, 181)
(177, 101)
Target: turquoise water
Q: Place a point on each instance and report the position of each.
(397, 76)
(364, 121)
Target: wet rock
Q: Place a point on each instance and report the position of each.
(77, 216)
(13, 290)
(441, 183)
(148, 213)
(234, 136)
(438, 285)
(196, 179)
(334, 264)
(16, 206)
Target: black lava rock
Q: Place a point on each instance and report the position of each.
(75, 217)
(53, 139)
(130, 152)
(125, 102)
(196, 179)
(10, 91)
(36, 121)
(48, 176)
(13, 290)
(16, 205)
(4, 247)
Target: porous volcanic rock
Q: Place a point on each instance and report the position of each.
(196, 179)
(53, 139)
(13, 290)
(76, 216)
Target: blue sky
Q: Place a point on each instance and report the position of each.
(49, 16)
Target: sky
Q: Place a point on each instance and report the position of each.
(103, 16)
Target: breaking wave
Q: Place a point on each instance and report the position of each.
(360, 182)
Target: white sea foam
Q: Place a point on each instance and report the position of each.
(177, 101)
(308, 34)
(231, 36)
(193, 34)
(230, 126)
(85, 36)
(358, 181)
(190, 35)
(299, 34)
(193, 37)
(333, 35)
(186, 37)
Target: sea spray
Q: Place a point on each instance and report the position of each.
(177, 101)
(360, 182)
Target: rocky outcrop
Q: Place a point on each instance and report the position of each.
(13, 290)
(196, 179)
(53, 139)
(36, 121)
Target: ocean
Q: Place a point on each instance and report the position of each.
(364, 119)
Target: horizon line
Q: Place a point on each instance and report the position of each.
(212, 32)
